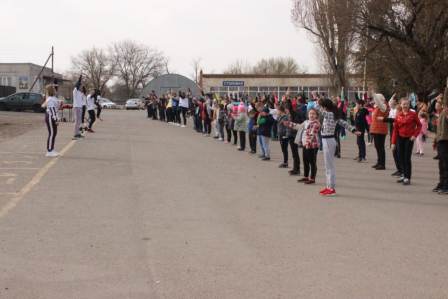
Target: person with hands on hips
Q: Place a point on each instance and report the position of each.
(407, 127)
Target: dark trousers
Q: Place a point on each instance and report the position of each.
(360, 140)
(242, 140)
(442, 151)
(92, 118)
(149, 111)
(337, 135)
(162, 114)
(405, 146)
(380, 141)
(229, 134)
(253, 141)
(207, 126)
(169, 115)
(295, 154)
(154, 113)
(235, 137)
(198, 124)
(309, 162)
(275, 130)
(83, 115)
(176, 115)
(52, 132)
(184, 114)
(396, 159)
(98, 111)
(284, 143)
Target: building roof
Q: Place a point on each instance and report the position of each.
(30, 64)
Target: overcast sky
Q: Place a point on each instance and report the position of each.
(218, 31)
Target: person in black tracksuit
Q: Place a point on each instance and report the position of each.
(297, 116)
(361, 126)
(282, 133)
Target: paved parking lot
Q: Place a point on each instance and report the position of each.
(142, 209)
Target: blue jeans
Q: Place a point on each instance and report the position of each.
(264, 145)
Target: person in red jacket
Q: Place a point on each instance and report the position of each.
(407, 127)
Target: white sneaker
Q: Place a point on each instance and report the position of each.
(221, 139)
(52, 154)
(183, 126)
(178, 125)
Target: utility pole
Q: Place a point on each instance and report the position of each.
(51, 56)
(52, 63)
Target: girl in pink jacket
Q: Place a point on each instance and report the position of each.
(421, 139)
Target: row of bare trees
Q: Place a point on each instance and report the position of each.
(402, 44)
(267, 66)
(127, 64)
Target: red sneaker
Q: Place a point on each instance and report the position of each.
(323, 191)
(330, 192)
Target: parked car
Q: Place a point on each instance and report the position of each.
(23, 101)
(108, 104)
(133, 104)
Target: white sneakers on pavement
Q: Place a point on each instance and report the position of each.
(52, 154)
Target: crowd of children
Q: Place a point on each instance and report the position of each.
(315, 124)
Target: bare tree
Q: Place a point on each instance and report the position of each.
(196, 65)
(268, 66)
(278, 66)
(96, 66)
(238, 67)
(332, 23)
(137, 64)
(408, 42)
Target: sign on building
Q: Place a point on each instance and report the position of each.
(232, 83)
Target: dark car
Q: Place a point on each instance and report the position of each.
(23, 101)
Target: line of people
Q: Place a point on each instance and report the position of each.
(316, 124)
(82, 103)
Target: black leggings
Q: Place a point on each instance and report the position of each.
(405, 146)
(184, 114)
(235, 137)
(380, 141)
(92, 118)
(83, 115)
(207, 126)
(229, 134)
(284, 142)
(295, 154)
(309, 162)
(98, 111)
(52, 132)
(253, 141)
(242, 140)
(442, 151)
(176, 112)
(361, 146)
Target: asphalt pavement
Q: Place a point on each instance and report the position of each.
(142, 209)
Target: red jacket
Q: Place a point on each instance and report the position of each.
(406, 126)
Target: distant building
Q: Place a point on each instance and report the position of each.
(225, 84)
(22, 75)
(171, 83)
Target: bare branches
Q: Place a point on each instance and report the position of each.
(409, 39)
(332, 24)
(97, 67)
(267, 66)
(136, 64)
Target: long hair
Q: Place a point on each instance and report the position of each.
(51, 91)
(328, 105)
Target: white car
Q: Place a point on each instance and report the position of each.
(133, 104)
(107, 104)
